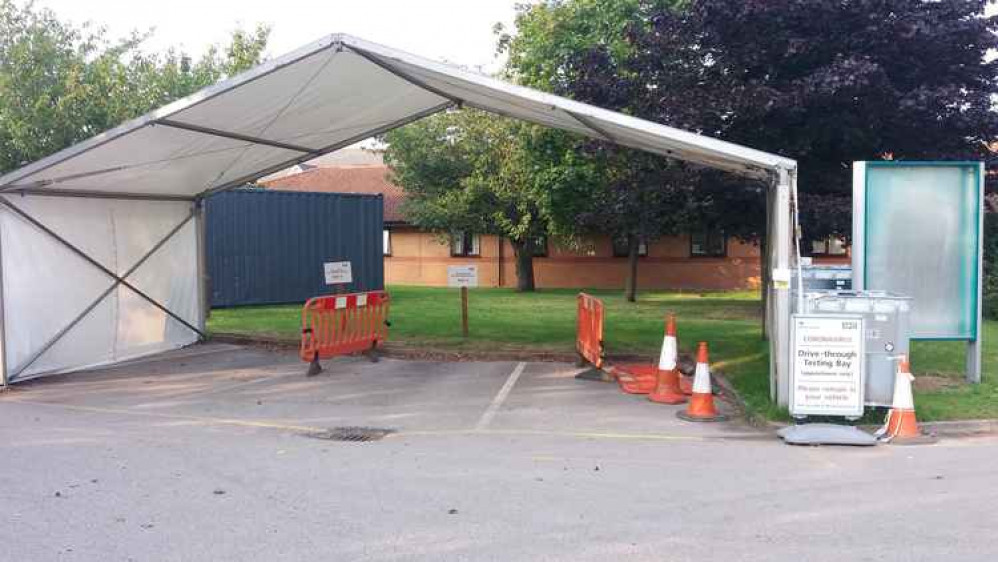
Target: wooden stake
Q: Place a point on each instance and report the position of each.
(464, 312)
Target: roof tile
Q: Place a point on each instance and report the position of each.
(368, 179)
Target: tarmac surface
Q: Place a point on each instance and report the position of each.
(216, 453)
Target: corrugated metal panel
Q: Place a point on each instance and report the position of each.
(269, 247)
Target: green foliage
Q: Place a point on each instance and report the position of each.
(60, 84)
(991, 266)
(622, 192)
(550, 33)
(466, 170)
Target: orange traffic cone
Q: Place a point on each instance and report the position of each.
(901, 424)
(667, 389)
(701, 407)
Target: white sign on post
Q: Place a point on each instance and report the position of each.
(462, 276)
(337, 272)
(829, 366)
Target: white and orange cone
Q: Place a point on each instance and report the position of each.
(901, 424)
(701, 407)
(667, 389)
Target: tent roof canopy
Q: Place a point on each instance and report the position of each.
(323, 97)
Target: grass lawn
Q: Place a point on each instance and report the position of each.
(545, 320)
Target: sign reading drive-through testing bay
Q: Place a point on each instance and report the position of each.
(828, 366)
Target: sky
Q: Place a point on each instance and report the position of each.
(457, 31)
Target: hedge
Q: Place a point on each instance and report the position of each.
(991, 266)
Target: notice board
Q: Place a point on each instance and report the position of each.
(917, 232)
(828, 370)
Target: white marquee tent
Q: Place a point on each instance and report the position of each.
(101, 244)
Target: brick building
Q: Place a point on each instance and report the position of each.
(702, 260)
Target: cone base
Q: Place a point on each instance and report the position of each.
(902, 429)
(685, 416)
(667, 388)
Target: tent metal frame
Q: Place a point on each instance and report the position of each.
(3, 320)
(779, 173)
(234, 136)
(12, 375)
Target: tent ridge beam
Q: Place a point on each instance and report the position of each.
(404, 75)
(327, 149)
(234, 136)
(588, 123)
(86, 194)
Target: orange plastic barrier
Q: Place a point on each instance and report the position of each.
(340, 324)
(589, 329)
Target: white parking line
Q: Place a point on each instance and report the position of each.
(486, 419)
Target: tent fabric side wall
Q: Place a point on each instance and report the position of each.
(73, 313)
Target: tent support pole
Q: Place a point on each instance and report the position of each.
(404, 76)
(780, 278)
(117, 281)
(202, 270)
(3, 318)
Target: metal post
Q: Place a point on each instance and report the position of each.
(974, 365)
(780, 281)
(766, 265)
(464, 312)
(858, 226)
(202, 266)
(3, 317)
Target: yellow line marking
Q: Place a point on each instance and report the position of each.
(415, 433)
(579, 434)
(161, 415)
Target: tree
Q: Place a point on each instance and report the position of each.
(830, 82)
(470, 171)
(61, 84)
(632, 195)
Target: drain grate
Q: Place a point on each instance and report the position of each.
(352, 434)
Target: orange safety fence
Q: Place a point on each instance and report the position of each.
(589, 329)
(340, 324)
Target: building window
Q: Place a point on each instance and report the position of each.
(620, 249)
(540, 247)
(386, 245)
(465, 244)
(831, 246)
(709, 243)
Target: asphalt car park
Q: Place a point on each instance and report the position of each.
(226, 452)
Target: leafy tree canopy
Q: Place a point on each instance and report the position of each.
(60, 83)
(466, 170)
(825, 82)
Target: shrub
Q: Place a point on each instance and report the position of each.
(991, 266)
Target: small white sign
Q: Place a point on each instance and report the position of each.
(462, 276)
(338, 272)
(828, 370)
